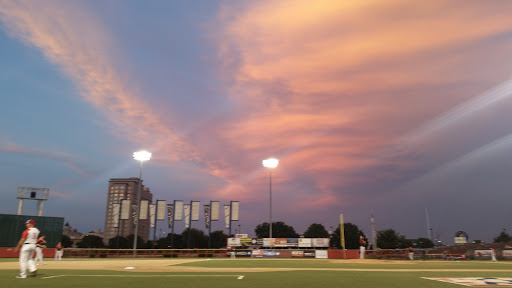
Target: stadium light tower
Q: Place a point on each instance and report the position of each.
(140, 156)
(270, 163)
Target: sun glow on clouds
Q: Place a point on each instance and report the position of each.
(320, 79)
(72, 37)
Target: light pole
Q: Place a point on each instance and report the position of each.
(270, 163)
(140, 156)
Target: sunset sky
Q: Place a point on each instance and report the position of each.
(391, 108)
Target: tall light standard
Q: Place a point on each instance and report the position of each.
(140, 156)
(270, 163)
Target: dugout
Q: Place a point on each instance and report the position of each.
(12, 226)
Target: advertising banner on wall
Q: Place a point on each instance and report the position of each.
(297, 254)
(234, 242)
(293, 242)
(281, 242)
(269, 242)
(305, 242)
(321, 254)
(320, 242)
(309, 253)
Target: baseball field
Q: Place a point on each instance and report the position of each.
(252, 273)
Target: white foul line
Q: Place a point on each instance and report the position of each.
(239, 277)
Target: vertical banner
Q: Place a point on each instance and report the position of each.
(186, 209)
(227, 209)
(178, 210)
(234, 210)
(144, 207)
(160, 210)
(194, 210)
(134, 214)
(116, 208)
(170, 214)
(125, 209)
(152, 208)
(214, 210)
(207, 216)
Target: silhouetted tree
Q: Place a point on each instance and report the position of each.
(140, 242)
(218, 239)
(316, 231)
(503, 238)
(197, 238)
(352, 233)
(91, 241)
(119, 242)
(66, 241)
(279, 230)
(424, 243)
(165, 243)
(390, 239)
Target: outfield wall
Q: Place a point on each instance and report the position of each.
(12, 226)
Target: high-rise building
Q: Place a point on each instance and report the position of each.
(125, 189)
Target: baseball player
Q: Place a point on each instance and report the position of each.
(362, 247)
(58, 252)
(41, 244)
(28, 240)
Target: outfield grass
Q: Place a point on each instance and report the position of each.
(402, 274)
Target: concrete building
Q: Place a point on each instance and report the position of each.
(125, 189)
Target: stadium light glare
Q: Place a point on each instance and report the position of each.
(270, 164)
(139, 156)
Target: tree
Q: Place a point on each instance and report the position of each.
(197, 238)
(66, 241)
(140, 241)
(352, 233)
(218, 239)
(174, 239)
(316, 231)
(503, 238)
(279, 230)
(119, 242)
(389, 239)
(424, 243)
(91, 241)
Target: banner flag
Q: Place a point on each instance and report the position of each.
(227, 209)
(186, 209)
(116, 208)
(194, 210)
(207, 216)
(125, 209)
(134, 214)
(214, 210)
(144, 205)
(234, 210)
(152, 208)
(170, 214)
(160, 210)
(178, 210)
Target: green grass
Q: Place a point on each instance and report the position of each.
(317, 263)
(400, 275)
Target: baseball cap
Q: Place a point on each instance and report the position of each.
(30, 221)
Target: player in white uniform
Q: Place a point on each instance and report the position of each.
(41, 244)
(28, 243)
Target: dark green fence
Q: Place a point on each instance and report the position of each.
(12, 226)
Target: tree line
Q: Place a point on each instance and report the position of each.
(192, 238)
